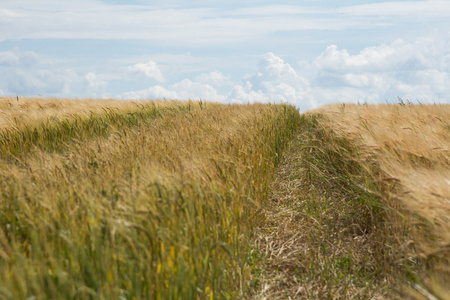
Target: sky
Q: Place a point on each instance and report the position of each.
(306, 52)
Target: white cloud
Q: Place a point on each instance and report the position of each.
(323, 96)
(415, 70)
(214, 78)
(94, 82)
(275, 81)
(205, 25)
(424, 53)
(187, 89)
(412, 9)
(57, 82)
(243, 94)
(418, 70)
(29, 74)
(270, 82)
(41, 82)
(17, 58)
(183, 90)
(156, 92)
(149, 69)
(273, 69)
(6, 13)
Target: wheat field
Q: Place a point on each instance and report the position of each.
(110, 199)
(133, 201)
(20, 111)
(410, 146)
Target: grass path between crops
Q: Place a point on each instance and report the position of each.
(321, 234)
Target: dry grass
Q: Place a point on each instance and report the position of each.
(166, 200)
(56, 132)
(412, 143)
(14, 112)
(159, 206)
(411, 146)
(359, 208)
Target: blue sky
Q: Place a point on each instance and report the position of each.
(307, 53)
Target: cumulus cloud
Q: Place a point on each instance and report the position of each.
(422, 54)
(275, 81)
(156, 92)
(41, 82)
(27, 73)
(214, 78)
(416, 70)
(94, 82)
(183, 90)
(245, 94)
(17, 58)
(55, 82)
(149, 69)
(187, 89)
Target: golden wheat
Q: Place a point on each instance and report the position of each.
(411, 146)
(157, 203)
(136, 200)
(18, 111)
